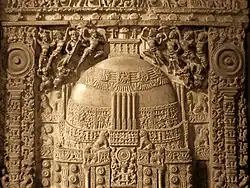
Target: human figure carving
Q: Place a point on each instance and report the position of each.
(92, 50)
(154, 41)
(57, 106)
(47, 140)
(158, 155)
(187, 43)
(59, 43)
(70, 47)
(61, 74)
(31, 37)
(45, 45)
(46, 83)
(200, 44)
(45, 106)
(173, 47)
(145, 143)
(190, 102)
(88, 156)
(21, 34)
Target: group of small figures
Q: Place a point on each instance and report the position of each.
(54, 44)
(184, 55)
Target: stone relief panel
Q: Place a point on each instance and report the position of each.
(142, 94)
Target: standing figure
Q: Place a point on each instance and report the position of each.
(31, 37)
(70, 47)
(45, 45)
(154, 41)
(173, 48)
(94, 41)
(200, 44)
(46, 109)
(58, 42)
(190, 103)
(47, 139)
(239, 36)
(187, 43)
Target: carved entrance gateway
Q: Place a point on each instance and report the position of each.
(123, 94)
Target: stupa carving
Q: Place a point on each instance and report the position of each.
(123, 94)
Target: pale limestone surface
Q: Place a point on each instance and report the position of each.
(123, 93)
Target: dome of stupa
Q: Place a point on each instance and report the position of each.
(123, 86)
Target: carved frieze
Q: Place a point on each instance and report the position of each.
(123, 93)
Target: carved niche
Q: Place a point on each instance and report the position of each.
(123, 94)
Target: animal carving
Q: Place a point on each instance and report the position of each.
(101, 142)
(144, 141)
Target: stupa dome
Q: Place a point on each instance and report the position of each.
(120, 85)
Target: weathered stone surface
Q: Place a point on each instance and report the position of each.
(123, 93)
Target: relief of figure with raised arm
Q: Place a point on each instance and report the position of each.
(187, 44)
(94, 41)
(173, 47)
(59, 43)
(154, 41)
(45, 46)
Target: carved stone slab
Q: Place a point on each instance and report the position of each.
(123, 94)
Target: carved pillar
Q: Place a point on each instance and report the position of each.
(230, 135)
(227, 65)
(14, 138)
(20, 133)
